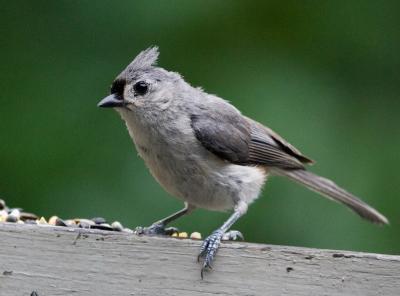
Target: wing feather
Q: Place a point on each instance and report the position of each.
(240, 140)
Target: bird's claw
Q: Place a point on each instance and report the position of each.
(155, 229)
(209, 249)
(233, 235)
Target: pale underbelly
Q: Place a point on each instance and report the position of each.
(215, 185)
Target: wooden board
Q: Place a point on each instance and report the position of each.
(61, 261)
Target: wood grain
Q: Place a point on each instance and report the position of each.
(61, 261)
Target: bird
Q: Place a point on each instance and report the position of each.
(205, 152)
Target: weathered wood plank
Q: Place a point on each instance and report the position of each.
(56, 261)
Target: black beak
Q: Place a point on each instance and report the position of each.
(111, 101)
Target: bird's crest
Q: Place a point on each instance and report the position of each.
(145, 59)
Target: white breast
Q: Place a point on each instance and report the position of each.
(187, 170)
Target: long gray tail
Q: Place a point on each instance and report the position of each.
(332, 191)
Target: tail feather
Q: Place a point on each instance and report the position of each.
(332, 191)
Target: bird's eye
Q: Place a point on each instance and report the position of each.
(141, 88)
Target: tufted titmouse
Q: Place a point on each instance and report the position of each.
(202, 150)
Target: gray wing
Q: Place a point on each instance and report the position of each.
(264, 134)
(240, 140)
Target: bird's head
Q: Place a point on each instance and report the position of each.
(142, 84)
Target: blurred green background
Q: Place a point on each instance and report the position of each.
(324, 74)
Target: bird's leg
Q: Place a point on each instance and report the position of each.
(158, 228)
(211, 243)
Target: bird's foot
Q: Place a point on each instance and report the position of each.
(155, 229)
(209, 249)
(233, 235)
(211, 244)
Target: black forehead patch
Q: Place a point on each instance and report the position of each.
(118, 87)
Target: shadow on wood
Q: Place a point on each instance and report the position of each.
(64, 261)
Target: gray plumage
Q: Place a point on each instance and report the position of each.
(203, 151)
